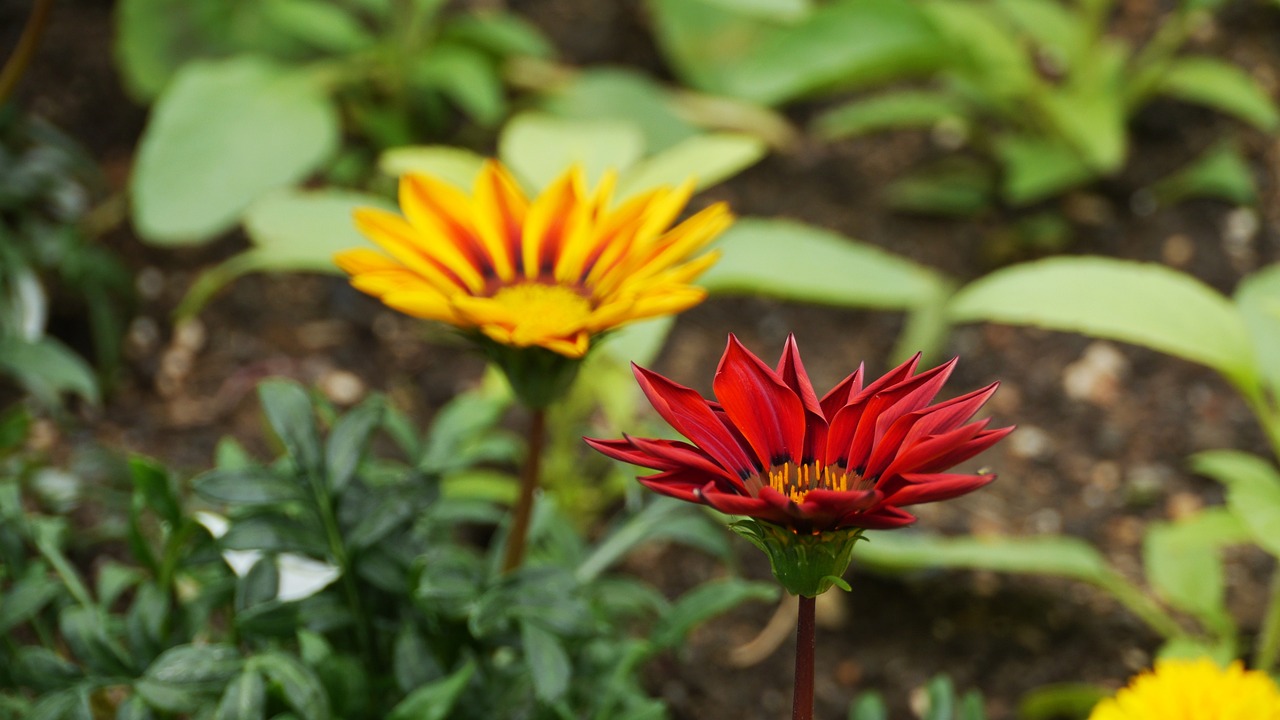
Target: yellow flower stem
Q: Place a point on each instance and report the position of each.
(802, 695)
(528, 484)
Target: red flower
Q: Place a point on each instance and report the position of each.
(771, 450)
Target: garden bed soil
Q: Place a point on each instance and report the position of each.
(1104, 428)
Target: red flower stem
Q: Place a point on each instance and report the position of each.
(802, 700)
(528, 484)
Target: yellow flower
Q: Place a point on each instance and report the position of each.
(550, 272)
(1194, 690)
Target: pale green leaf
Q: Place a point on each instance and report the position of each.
(793, 261)
(1253, 491)
(706, 159)
(1089, 110)
(773, 9)
(954, 186)
(1222, 86)
(1037, 167)
(1140, 303)
(1184, 565)
(540, 148)
(456, 166)
(46, 368)
(622, 95)
(1048, 555)
(890, 111)
(704, 602)
(1258, 300)
(1220, 173)
(222, 135)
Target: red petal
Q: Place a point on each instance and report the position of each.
(932, 454)
(825, 508)
(890, 404)
(625, 451)
(844, 419)
(759, 404)
(679, 484)
(757, 507)
(932, 487)
(684, 455)
(792, 372)
(691, 416)
(915, 426)
(885, 517)
(842, 394)
(966, 450)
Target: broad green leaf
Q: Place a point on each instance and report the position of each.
(153, 38)
(456, 166)
(705, 602)
(1036, 168)
(705, 159)
(186, 678)
(275, 533)
(434, 701)
(1089, 110)
(348, 442)
(247, 486)
(1221, 650)
(318, 24)
(288, 409)
(1057, 30)
(547, 661)
(1140, 303)
(292, 231)
(868, 706)
(1220, 173)
(638, 342)
(69, 704)
(223, 134)
(43, 670)
(839, 45)
(1258, 301)
(135, 708)
(502, 34)
(1184, 564)
(953, 187)
(47, 369)
(23, 599)
(468, 77)
(540, 148)
(793, 261)
(705, 42)
(1222, 86)
(981, 53)
(622, 95)
(298, 685)
(244, 699)
(1253, 491)
(889, 111)
(1060, 556)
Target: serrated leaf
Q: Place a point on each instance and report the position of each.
(547, 661)
(706, 159)
(539, 148)
(1222, 86)
(1118, 300)
(793, 261)
(223, 134)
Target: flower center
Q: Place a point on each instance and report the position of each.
(795, 481)
(541, 307)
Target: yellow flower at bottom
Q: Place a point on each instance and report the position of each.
(1194, 690)
(549, 272)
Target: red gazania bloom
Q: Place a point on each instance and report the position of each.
(771, 450)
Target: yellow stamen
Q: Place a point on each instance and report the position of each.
(537, 311)
(796, 480)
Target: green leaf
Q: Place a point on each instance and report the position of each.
(889, 111)
(982, 56)
(275, 533)
(1222, 86)
(244, 699)
(1184, 564)
(288, 409)
(187, 678)
(868, 706)
(1089, 111)
(705, 602)
(319, 24)
(625, 96)
(1140, 303)
(540, 148)
(706, 159)
(349, 440)
(793, 261)
(43, 670)
(1060, 556)
(776, 9)
(952, 187)
(46, 368)
(502, 34)
(662, 519)
(1253, 491)
(151, 479)
(297, 684)
(135, 708)
(547, 661)
(153, 38)
(1060, 700)
(247, 486)
(222, 135)
(941, 698)
(839, 45)
(1220, 173)
(1258, 301)
(466, 76)
(1038, 167)
(456, 166)
(69, 704)
(704, 42)
(23, 599)
(434, 701)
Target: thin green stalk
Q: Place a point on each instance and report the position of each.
(528, 484)
(364, 635)
(1267, 650)
(802, 695)
(68, 574)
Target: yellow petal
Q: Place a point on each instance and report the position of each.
(549, 217)
(423, 304)
(443, 234)
(361, 260)
(500, 209)
(399, 238)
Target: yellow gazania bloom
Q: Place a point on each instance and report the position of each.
(549, 272)
(1194, 690)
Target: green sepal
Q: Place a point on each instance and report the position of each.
(804, 564)
(538, 376)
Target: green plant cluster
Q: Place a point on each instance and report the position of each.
(335, 581)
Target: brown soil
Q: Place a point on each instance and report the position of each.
(1098, 462)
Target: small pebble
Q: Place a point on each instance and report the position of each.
(149, 283)
(1178, 250)
(1096, 377)
(1030, 442)
(1182, 505)
(342, 387)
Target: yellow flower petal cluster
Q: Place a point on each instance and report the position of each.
(552, 271)
(1194, 690)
